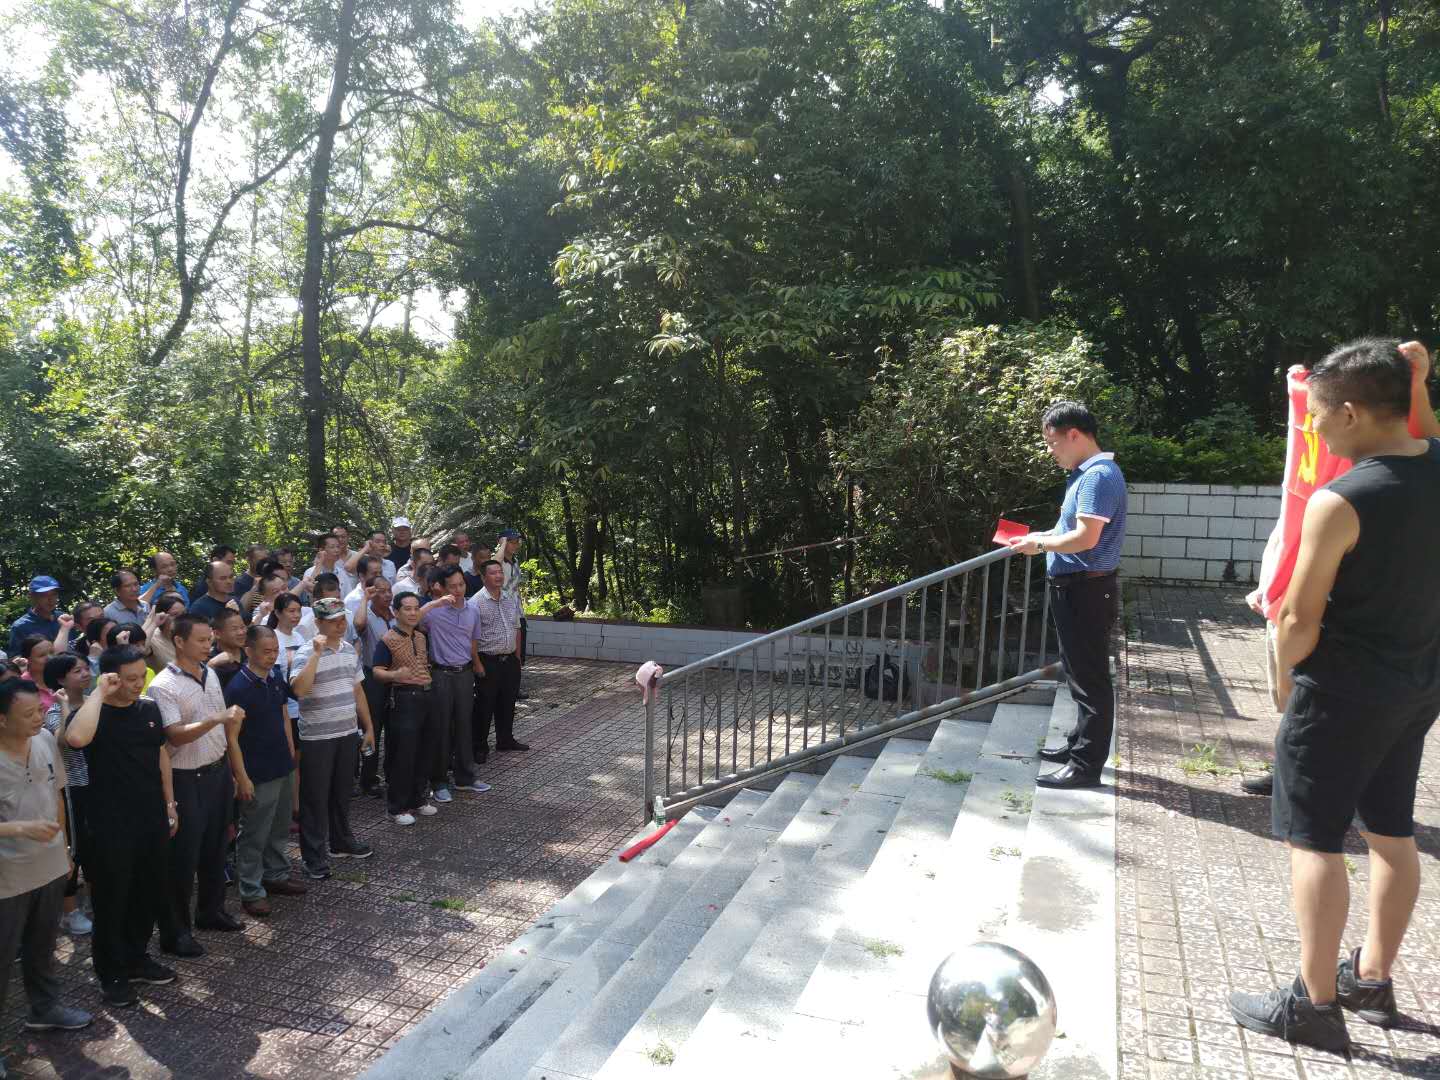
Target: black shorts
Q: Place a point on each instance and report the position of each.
(1338, 759)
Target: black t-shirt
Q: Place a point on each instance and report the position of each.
(398, 556)
(1380, 634)
(126, 794)
(207, 606)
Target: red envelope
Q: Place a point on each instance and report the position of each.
(1005, 531)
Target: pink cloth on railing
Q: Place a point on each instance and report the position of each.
(649, 672)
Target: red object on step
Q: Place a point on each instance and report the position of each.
(640, 845)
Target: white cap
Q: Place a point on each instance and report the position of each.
(400, 523)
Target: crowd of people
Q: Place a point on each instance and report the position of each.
(160, 747)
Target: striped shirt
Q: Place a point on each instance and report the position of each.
(184, 699)
(1096, 489)
(328, 710)
(77, 773)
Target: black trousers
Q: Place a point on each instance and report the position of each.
(1084, 609)
(327, 771)
(129, 873)
(77, 824)
(377, 696)
(495, 700)
(453, 699)
(410, 738)
(206, 799)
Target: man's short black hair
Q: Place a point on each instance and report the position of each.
(60, 665)
(1370, 372)
(112, 660)
(84, 606)
(118, 578)
(364, 564)
(400, 598)
(12, 689)
(489, 563)
(220, 552)
(327, 580)
(184, 626)
(442, 574)
(285, 549)
(451, 549)
(1071, 416)
(268, 567)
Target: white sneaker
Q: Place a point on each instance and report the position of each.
(442, 795)
(75, 922)
(403, 819)
(429, 810)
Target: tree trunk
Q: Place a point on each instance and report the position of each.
(1022, 230)
(312, 279)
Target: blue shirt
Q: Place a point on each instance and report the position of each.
(1095, 489)
(28, 624)
(262, 735)
(175, 587)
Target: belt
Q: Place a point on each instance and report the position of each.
(497, 656)
(203, 769)
(451, 667)
(1060, 581)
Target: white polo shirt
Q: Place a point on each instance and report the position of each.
(183, 699)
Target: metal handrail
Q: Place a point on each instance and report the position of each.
(830, 718)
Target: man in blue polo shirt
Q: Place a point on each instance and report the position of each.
(40, 619)
(1082, 554)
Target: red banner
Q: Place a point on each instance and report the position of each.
(1308, 465)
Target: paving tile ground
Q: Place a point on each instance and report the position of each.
(326, 983)
(1203, 890)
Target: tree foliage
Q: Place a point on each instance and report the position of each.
(755, 296)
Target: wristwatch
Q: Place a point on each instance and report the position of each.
(1040, 546)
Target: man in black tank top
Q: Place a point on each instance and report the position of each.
(1359, 662)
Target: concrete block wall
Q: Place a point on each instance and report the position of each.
(1198, 532)
(675, 646)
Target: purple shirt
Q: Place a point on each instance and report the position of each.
(450, 631)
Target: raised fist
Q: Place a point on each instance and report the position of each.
(108, 686)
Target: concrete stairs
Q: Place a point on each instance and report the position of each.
(795, 932)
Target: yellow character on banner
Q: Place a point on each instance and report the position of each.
(1309, 466)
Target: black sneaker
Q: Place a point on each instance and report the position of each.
(1264, 784)
(118, 993)
(1371, 1000)
(356, 851)
(153, 973)
(1290, 1015)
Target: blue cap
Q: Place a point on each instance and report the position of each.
(44, 583)
(510, 534)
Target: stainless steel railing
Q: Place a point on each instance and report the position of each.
(861, 672)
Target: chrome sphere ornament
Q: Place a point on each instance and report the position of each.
(992, 1011)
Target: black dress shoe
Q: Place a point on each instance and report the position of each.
(222, 921)
(512, 745)
(1070, 776)
(1058, 754)
(118, 993)
(1264, 784)
(184, 946)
